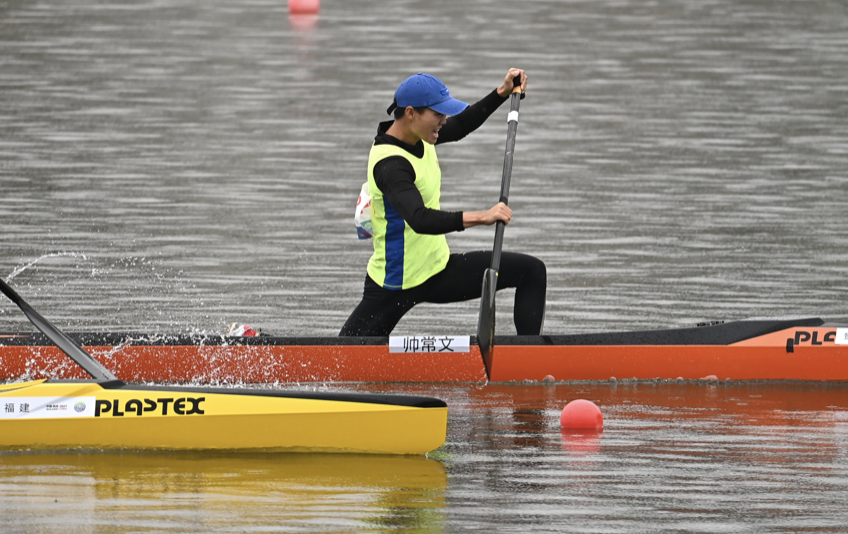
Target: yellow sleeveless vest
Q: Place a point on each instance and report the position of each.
(403, 259)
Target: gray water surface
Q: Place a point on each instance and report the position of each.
(175, 166)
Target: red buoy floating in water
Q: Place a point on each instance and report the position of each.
(581, 413)
(304, 7)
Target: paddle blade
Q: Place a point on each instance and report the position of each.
(74, 351)
(486, 324)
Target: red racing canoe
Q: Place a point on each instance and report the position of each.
(792, 349)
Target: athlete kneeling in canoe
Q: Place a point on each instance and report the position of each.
(412, 262)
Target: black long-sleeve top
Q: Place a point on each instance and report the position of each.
(395, 176)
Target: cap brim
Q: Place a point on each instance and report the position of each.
(449, 107)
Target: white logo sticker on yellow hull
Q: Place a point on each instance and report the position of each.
(46, 407)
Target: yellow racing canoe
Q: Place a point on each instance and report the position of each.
(83, 414)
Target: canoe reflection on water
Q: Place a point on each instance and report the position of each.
(219, 489)
(727, 415)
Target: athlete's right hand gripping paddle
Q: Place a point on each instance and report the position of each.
(486, 323)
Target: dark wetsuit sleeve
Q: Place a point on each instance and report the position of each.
(458, 126)
(396, 179)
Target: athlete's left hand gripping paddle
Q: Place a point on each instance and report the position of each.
(486, 323)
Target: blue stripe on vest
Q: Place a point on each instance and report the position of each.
(395, 246)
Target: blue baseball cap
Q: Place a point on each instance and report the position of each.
(426, 91)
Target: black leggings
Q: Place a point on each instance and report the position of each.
(462, 279)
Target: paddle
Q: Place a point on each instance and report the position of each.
(66, 344)
(486, 324)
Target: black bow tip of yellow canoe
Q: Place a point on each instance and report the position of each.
(91, 415)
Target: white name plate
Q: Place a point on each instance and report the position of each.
(430, 344)
(841, 336)
(46, 407)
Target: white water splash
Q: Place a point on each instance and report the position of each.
(19, 270)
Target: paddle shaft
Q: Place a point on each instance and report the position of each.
(486, 322)
(512, 130)
(65, 343)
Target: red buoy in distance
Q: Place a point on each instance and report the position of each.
(581, 413)
(304, 7)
